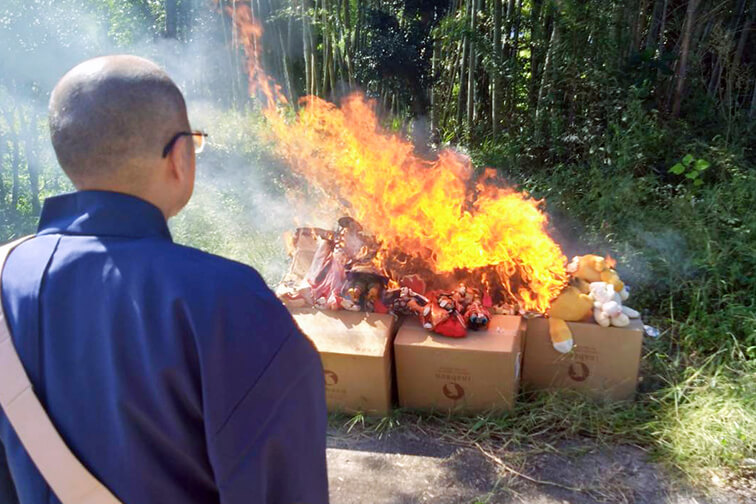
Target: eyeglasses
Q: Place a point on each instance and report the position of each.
(198, 137)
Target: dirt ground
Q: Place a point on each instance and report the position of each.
(409, 466)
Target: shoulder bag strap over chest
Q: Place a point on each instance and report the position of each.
(67, 477)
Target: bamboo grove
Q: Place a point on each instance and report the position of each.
(482, 68)
(546, 82)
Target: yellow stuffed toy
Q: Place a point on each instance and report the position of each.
(572, 305)
(592, 268)
(584, 298)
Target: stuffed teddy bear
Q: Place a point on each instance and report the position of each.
(607, 306)
(572, 305)
(595, 289)
(592, 268)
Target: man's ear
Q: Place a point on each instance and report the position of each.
(178, 158)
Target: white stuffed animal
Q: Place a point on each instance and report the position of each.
(607, 305)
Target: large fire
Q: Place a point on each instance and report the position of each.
(432, 217)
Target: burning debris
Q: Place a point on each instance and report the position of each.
(438, 242)
(342, 270)
(339, 270)
(431, 216)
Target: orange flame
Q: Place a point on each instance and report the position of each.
(420, 208)
(249, 32)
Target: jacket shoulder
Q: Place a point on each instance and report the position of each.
(215, 275)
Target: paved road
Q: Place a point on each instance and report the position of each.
(410, 467)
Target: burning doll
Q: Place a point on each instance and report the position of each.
(342, 275)
(445, 313)
(363, 291)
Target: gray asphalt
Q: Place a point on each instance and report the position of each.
(408, 466)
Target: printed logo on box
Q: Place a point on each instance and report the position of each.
(331, 378)
(578, 371)
(585, 354)
(453, 391)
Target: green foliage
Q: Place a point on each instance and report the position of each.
(396, 56)
(692, 168)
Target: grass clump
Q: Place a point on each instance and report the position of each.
(708, 426)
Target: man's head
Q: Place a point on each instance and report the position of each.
(110, 120)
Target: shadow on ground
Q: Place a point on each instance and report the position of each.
(409, 466)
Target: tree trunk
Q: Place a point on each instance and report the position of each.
(535, 14)
(326, 44)
(660, 50)
(331, 61)
(682, 67)
(514, 58)
(306, 50)
(473, 63)
(28, 126)
(33, 167)
(313, 51)
(455, 67)
(434, 105)
(507, 16)
(4, 143)
(16, 161)
(634, 14)
(733, 71)
(357, 43)
(641, 25)
(287, 71)
(171, 16)
(653, 29)
(515, 44)
(723, 57)
(348, 42)
(463, 73)
(553, 41)
(496, 73)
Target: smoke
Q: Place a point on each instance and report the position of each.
(655, 251)
(239, 208)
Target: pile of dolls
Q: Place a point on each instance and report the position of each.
(338, 270)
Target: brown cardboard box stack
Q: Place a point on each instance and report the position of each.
(355, 349)
(473, 374)
(478, 373)
(603, 363)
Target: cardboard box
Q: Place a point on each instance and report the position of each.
(355, 349)
(603, 363)
(480, 372)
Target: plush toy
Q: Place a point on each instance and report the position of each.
(592, 268)
(572, 305)
(607, 306)
(595, 289)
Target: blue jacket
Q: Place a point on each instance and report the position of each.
(175, 376)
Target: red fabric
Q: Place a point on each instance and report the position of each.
(452, 327)
(487, 301)
(379, 307)
(414, 283)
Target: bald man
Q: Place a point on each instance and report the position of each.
(173, 375)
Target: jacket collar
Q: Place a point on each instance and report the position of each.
(102, 213)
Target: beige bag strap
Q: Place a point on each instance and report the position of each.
(67, 477)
